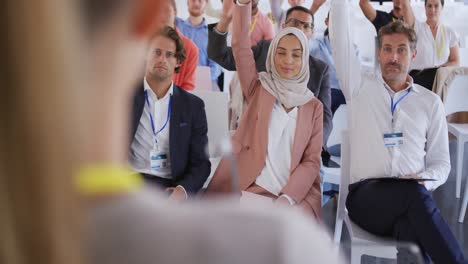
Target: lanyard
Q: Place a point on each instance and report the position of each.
(393, 106)
(151, 116)
(442, 42)
(254, 23)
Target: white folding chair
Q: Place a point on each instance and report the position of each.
(216, 108)
(332, 175)
(455, 100)
(361, 241)
(203, 78)
(463, 53)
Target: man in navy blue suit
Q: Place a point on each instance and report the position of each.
(169, 127)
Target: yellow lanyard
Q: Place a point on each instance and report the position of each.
(106, 179)
(254, 23)
(442, 42)
(271, 18)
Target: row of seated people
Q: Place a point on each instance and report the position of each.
(279, 138)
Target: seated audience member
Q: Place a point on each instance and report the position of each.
(185, 78)
(398, 143)
(278, 142)
(319, 72)
(437, 45)
(380, 18)
(279, 14)
(169, 126)
(195, 28)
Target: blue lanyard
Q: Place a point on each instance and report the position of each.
(151, 116)
(393, 106)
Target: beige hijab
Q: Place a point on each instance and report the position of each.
(290, 92)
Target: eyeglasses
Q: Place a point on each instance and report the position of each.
(299, 24)
(167, 54)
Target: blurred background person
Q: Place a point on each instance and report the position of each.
(438, 44)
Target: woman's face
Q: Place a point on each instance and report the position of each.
(288, 57)
(433, 10)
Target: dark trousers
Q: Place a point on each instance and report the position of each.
(424, 77)
(337, 99)
(157, 181)
(404, 210)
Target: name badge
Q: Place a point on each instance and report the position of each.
(158, 160)
(393, 139)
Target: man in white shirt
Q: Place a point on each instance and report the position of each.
(169, 127)
(398, 142)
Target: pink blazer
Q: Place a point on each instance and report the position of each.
(251, 138)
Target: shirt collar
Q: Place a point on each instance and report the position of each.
(152, 95)
(203, 24)
(409, 82)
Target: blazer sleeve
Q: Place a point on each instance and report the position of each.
(199, 166)
(243, 55)
(303, 176)
(325, 97)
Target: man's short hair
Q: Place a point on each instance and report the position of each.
(398, 27)
(300, 9)
(441, 2)
(172, 34)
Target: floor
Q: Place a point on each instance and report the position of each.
(445, 199)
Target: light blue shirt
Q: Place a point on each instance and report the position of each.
(319, 47)
(199, 35)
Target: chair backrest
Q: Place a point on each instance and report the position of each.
(345, 173)
(203, 78)
(463, 53)
(456, 97)
(216, 108)
(339, 124)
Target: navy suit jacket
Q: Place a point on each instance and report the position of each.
(188, 138)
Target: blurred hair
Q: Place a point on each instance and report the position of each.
(171, 34)
(441, 2)
(40, 218)
(398, 27)
(96, 12)
(299, 9)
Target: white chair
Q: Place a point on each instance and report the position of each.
(203, 78)
(216, 108)
(332, 175)
(455, 100)
(463, 53)
(361, 241)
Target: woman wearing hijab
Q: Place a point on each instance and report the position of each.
(279, 139)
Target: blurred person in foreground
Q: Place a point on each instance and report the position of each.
(128, 223)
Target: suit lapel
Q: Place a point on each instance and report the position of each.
(176, 111)
(137, 111)
(301, 135)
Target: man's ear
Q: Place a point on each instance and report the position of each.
(146, 15)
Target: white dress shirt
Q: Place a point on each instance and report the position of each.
(144, 138)
(277, 170)
(420, 117)
(433, 53)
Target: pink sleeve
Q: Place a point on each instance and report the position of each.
(186, 77)
(268, 29)
(241, 49)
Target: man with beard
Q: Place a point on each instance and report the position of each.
(399, 149)
(196, 29)
(169, 127)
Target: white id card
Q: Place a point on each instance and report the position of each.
(158, 160)
(393, 139)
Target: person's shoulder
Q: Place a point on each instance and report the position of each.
(191, 99)
(426, 95)
(317, 64)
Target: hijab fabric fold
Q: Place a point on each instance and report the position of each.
(290, 92)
